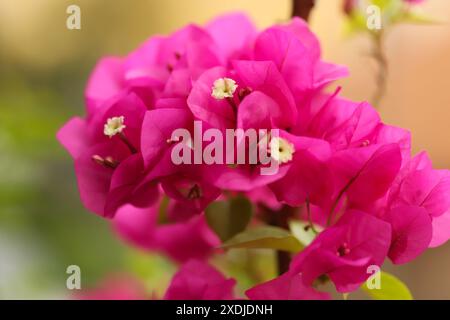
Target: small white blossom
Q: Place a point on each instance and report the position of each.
(114, 126)
(281, 150)
(223, 88)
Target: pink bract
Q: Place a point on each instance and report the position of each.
(347, 171)
(199, 281)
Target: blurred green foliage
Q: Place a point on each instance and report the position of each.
(43, 226)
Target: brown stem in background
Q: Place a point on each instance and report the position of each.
(284, 260)
(280, 219)
(383, 68)
(302, 8)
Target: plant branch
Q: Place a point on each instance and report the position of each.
(302, 8)
(280, 219)
(383, 69)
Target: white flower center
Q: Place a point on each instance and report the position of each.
(281, 150)
(114, 126)
(223, 88)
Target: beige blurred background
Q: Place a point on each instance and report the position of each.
(34, 40)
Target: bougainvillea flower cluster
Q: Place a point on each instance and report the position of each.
(341, 168)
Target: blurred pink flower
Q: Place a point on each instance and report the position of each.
(411, 232)
(195, 280)
(414, 1)
(285, 287)
(199, 281)
(110, 169)
(182, 240)
(118, 287)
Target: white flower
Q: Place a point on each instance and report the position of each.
(223, 88)
(114, 126)
(281, 150)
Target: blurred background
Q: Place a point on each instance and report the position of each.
(43, 71)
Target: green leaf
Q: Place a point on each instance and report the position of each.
(391, 288)
(303, 232)
(228, 218)
(265, 237)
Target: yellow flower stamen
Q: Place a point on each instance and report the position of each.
(281, 150)
(114, 126)
(223, 88)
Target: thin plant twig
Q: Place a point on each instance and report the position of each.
(308, 210)
(383, 69)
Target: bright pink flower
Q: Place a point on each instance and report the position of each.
(411, 233)
(217, 113)
(159, 62)
(265, 77)
(156, 138)
(185, 182)
(365, 174)
(109, 168)
(106, 81)
(344, 251)
(441, 230)
(158, 74)
(309, 177)
(418, 185)
(425, 188)
(339, 164)
(296, 52)
(193, 194)
(285, 287)
(262, 77)
(342, 123)
(265, 94)
(198, 281)
(146, 70)
(346, 124)
(237, 46)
